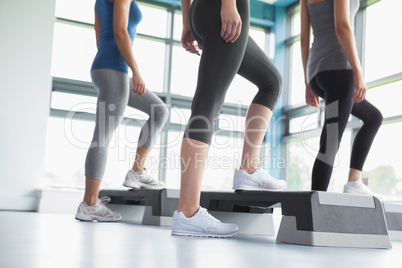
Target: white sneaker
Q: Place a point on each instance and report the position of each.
(361, 189)
(141, 179)
(97, 212)
(258, 180)
(202, 224)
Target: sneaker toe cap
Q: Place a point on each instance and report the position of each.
(227, 228)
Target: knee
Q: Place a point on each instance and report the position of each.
(201, 125)
(161, 114)
(279, 84)
(376, 119)
(269, 93)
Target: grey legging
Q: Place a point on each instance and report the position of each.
(114, 93)
(220, 62)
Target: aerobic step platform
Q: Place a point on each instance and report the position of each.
(309, 218)
(160, 204)
(315, 218)
(393, 215)
(156, 207)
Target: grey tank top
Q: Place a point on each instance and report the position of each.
(326, 51)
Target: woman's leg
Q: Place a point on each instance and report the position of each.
(372, 120)
(258, 69)
(338, 88)
(158, 113)
(192, 155)
(257, 121)
(220, 61)
(91, 190)
(112, 100)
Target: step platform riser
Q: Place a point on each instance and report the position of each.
(309, 217)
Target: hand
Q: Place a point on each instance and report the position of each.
(231, 21)
(187, 41)
(311, 98)
(139, 85)
(361, 87)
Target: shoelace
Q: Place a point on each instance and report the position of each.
(105, 199)
(204, 211)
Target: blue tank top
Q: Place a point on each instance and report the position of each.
(108, 55)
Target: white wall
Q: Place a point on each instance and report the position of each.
(26, 34)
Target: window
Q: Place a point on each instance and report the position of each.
(66, 148)
(154, 21)
(224, 158)
(303, 123)
(184, 72)
(295, 74)
(383, 55)
(297, 88)
(232, 122)
(259, 35)
(383, 72)
(178, 25)
(241, 91)
(150, 57)
(172, 161)
(179, 115)
(380, 97)
(383, 168)
(76, 10)
(74, 49)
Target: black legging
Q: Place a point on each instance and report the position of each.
(220, 61)
(337, 88)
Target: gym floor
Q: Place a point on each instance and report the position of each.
(29, 239)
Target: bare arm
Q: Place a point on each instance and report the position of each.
(97, 28)
(187, 39)
(121, 11)
(231, 24)
(348, 43)
(185, 10)
(311, 98)
(231, 21)
(304, 36)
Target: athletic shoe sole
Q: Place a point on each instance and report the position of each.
(96, 220)
(132, 186)
(251, 188)
(145, 186)
(189, 234)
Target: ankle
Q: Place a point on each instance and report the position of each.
(90, 201)
(249, 170)
(188, 213)
(137, 169)
(355, 183)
